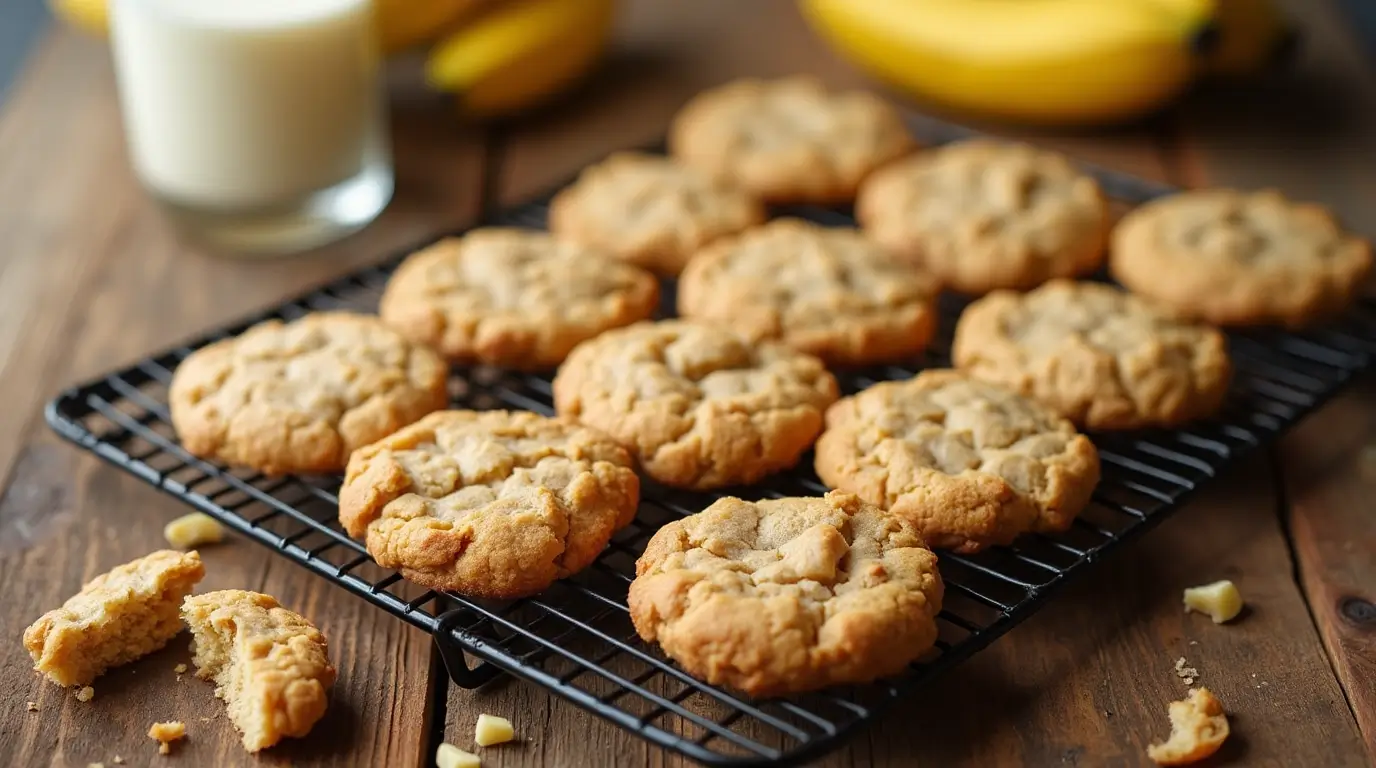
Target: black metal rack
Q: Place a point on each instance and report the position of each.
(576, 638)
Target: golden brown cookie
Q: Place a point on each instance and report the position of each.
(789, 595)
(119, 616)
(789, 140)
(1240, 258)
(513, 298)
(699, 406)
(1098, 356)
(982, 214)
(300, 396)
(650, 210)
(270, 665)
(827, 291)
(969, 464)
(493, 504)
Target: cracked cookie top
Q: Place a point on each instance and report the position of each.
(493, 504)
(983, 214)
(1101, 357)
(788, 595)
(699, 406)
(969, 464)
(513, 298)
(827, 291)
(300, 396)
(1239, 258)
(650, 210)
(789, 140)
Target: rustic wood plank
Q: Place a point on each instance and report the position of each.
(93, 278)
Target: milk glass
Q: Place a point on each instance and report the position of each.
(259, 124)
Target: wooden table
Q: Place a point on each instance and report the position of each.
(91, 276)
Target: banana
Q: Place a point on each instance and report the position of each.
(89, 16)
(403, 24)
(520, 54)
(1253, 35)
(1050, 62)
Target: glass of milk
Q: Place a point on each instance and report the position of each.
(259, 124)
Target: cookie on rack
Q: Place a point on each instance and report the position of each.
(790, 140)
(299, 397)
(270, 665)
(650, 211)
(828, 291)
(513, 298)
(1240, 258)
(699, 406)
(788, 595)
(1103, 358)
(967, 463)
(494, 504)
(982, 214)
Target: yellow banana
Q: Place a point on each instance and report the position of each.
(89, 16)
(1037, 61)
(520, 54)
(1253, 35)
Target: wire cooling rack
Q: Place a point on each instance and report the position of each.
(576, 638)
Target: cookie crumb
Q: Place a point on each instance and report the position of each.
(1219, 601)
(1198, 728)
(1187, 674)
(180, 669)
(450, 756)
(493, 730)
(86, 694)
(117, 760)
(33, 706)
(166, 733)
(193, 530)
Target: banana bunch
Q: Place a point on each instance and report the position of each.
(1051, 62)
(498, 56)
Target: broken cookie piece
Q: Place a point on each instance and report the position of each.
(117, 617)
(166, 733)
(270, 665)
(1219, 601)
(1198, 729)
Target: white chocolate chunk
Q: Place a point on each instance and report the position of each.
(193, 530)
(1220, 600)
(493, 730)
(450, 756)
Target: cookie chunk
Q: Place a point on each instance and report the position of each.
(493, 504)
(789, 140)
(1198, 729)
(826, 291)
(1100, 357)
(789, 595)
(982, 214)
(513, 298)
(699, 406)
(650, 210)
(1239, 258)
(270, 665)
(969, 464)
(300, 396)
(119, 616)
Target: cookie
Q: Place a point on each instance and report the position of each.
(491, 504)
(1239, 258)
(119, 616)
(1098, 356)
(789, 140)
(300, 396)
(982, 215)
(650, 210)
(968, 464)
(698, 406)
(788, 595)
(829, 292)
(271, 666)
(513, 298)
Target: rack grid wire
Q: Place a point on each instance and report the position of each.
(576, 638)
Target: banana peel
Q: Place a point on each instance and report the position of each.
(520, 54)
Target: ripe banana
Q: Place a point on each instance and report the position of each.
(1058, 62)
(520, 53)
(1256, 35)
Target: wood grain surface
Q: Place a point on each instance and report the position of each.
(90, 276)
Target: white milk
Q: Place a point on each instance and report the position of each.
(248, 104)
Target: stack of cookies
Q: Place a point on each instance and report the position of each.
(781, 596)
